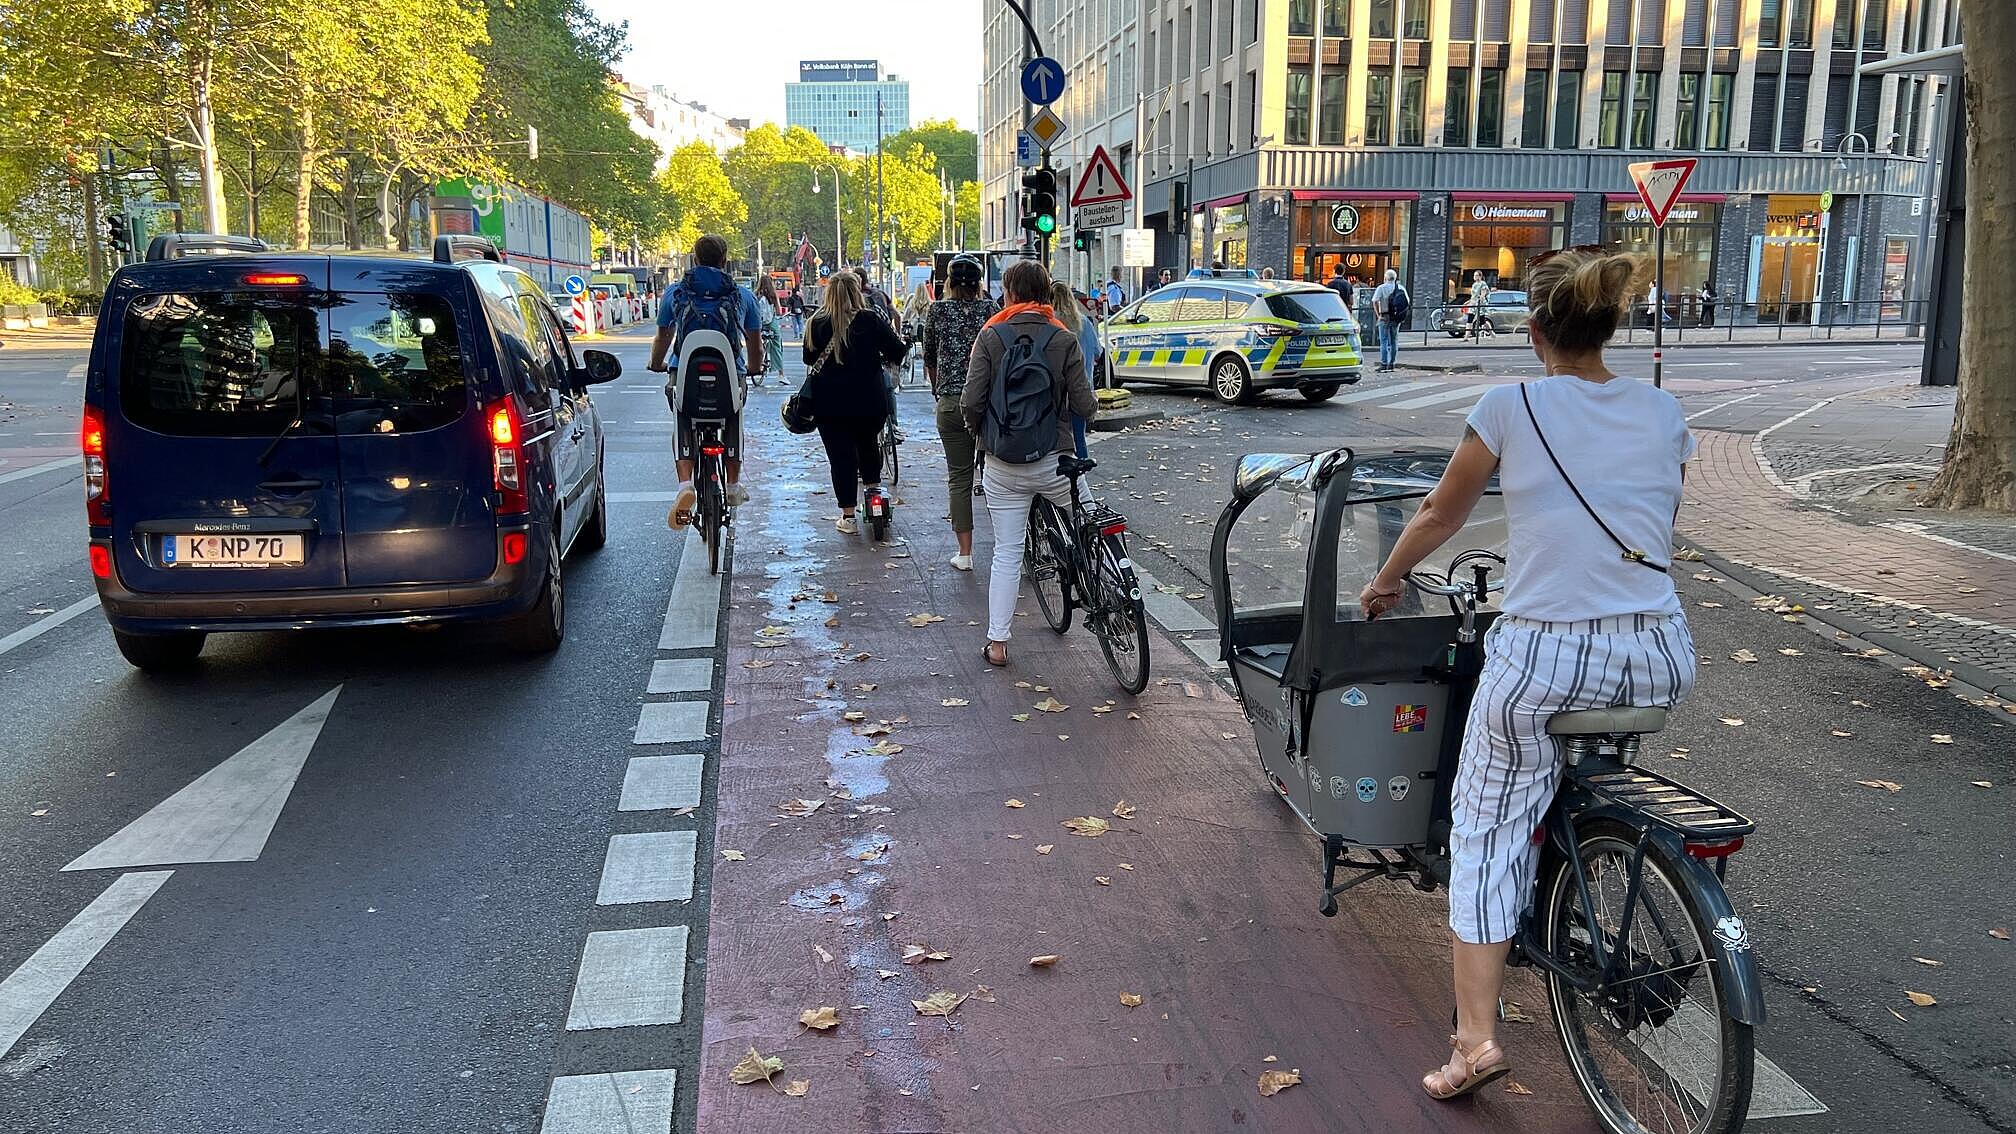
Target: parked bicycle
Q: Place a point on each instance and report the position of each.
(1077, 560)
(1649, 971)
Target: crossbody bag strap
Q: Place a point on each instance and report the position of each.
(1631, 554)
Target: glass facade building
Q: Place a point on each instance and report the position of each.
(836, 99)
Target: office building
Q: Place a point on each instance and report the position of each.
(1446, 137)
(669, 122)
(838, 99)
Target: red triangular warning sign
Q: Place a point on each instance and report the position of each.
(1660, 183)
(1100, 182)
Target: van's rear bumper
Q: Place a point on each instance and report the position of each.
(510, 590)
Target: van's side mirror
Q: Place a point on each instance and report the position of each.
(599, 366)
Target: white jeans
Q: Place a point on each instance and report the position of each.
(1010, 489)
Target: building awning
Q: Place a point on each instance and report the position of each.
(1481, 195)
(1697, 198)
(1354, 195)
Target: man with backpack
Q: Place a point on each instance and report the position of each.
(1390, 305)
(706, 299)
(1024, 380)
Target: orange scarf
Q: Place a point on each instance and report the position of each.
(1014, 309)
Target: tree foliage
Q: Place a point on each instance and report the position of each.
(704, 201)
(956, 149)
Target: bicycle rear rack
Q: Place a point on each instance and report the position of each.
(1694, 817)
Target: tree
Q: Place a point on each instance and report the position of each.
(911, 203)
(773, 171)
(1980, 467)
(966, 215)
(704, 200)
(957, 150)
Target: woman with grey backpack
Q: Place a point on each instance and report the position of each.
(1025, 379)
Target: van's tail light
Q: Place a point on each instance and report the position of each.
(101, 561)
(507, 455)
(91, 438)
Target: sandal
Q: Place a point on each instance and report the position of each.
(987, 652)
(1484, 1064)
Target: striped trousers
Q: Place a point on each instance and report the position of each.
(1510, 768)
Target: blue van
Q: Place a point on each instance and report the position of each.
(278, 440)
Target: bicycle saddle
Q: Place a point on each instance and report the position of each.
(1616, 719)
(1070, 466)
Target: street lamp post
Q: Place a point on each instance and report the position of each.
(839, 241)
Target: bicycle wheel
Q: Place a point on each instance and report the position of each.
(1043, 551)
(1121, 623)
(713, 515)
(1656, 1052)
(892, 465)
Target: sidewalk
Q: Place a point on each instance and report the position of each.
(853, 847)
(1941, 603)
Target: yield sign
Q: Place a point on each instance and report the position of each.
(1101, 182)
(1659, 184)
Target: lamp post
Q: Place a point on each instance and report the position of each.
(839, 242)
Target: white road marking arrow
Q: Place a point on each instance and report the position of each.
(227, 813)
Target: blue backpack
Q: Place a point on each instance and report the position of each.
(706, 308)
(707, 301)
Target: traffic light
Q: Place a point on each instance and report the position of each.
(118, 234)
(1179, 206)
(1081, 242)
(1040, 201)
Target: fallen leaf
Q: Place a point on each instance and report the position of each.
(1090, 826)
(1928, 961)
(922, 620)
(1130, 1000)
(883, 748)
(1023, 717)
(865, 687)
(983, 994)
(1733, 722)
(1050, 705)
(1124, 810)
(1743, 656)
(1941, 738)
(1712, 605)
(885, 974)
(854, 715)
(1921, 999)
(1886, 785)
(1270, 1059)
(955, 702)
(1098, 710)
(832, 622)
(1838, 732)
(825, 958)
(755, 1067)
(799, 808)
(1274, 1082)
(759, 663)
(1045, 848)
(1102, 879)
(796, 1088)
(1687, 555)
(1514, 1087)
(940, 1003)
(1513, 1014)
(1014, 803)
(1044, 961)
(821, 1018)
(1790, 652)
(918, 954)
(734, 856)
(1125, 865)
(1999, 934)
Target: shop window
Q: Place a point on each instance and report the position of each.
(1378, 107)
(1295, 123)
(1301, 17)
(1644, 108)
(1382, 19)
(1568, 110)
(1687, 116)
(1690, 247)
(1721, 93)
(1413, 105)
(1456, 108)
(1420, 17)
(1499, 238)
(1491, 107)
(1533, 127)
(1610, 127)
(1331, 130)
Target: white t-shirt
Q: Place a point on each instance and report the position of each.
(1624, 443)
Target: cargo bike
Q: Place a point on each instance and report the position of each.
(1649, 971)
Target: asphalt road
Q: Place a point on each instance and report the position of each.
(403, 950)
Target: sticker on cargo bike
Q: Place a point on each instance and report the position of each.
(1410, 718)
(1397, 787)
(1355, 697)
(1339, 787)
(1368, 789)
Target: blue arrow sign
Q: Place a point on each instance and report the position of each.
(575, 285)
(1042, 80)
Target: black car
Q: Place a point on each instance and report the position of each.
(281, 440)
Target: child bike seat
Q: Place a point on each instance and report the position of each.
(1616, 719)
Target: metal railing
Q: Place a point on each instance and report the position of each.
(1687, 322)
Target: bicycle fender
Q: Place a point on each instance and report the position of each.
(1727, 932)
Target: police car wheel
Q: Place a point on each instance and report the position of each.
(1319, 392)
(1230, 381)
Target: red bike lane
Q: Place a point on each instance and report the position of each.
(883, 792)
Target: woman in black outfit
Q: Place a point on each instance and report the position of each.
(849, 396)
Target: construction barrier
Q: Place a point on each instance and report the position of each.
(580, 316)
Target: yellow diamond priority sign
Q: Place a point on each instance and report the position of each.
(1046, 128)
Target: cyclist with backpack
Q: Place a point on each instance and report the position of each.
(1390, 305)
(1025, 379)
(706, 299)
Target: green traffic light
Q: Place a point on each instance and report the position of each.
(1046, 224)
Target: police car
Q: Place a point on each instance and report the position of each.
(1237, 336)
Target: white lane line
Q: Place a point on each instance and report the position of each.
(1463, 393)
(225, 814)
(671, 722)
(656, 866)
(630, 978)
(31, 989)
(666, 421)
(661, 783)
(1385, 391)
(623, 1102)
(76, 372)
(692, 615)
(1723, 405)
(665, 497)
(1710, 364)
(1171, 611)
(71, 463)
(47, 623)
(681, 675)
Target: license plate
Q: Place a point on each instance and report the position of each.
(1332, 340)
(232, 551)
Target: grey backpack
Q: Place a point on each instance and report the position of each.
(1020, 425)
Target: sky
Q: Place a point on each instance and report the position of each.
(735, 56)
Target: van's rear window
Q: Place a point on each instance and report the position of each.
(1308, 306)
(217, 365)
(395, 363)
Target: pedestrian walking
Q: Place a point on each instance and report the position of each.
(1707, 304)
(770, 309)
(1266, 273)
(1390, 305)
(1480, 299)
(1167, 277)
(1025, 380)
(1589, 617)
(846, 390)
(1086, 329)
(950, 326)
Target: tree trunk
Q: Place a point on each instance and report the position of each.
(203, 120)
(353, 225)
(1980, 468)
(304, 175)
(94, 238)
(171, 185)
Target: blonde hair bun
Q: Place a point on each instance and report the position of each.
(1579, 295)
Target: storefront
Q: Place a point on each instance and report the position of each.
(1785, 259)
(1498, 234)
(1690, 245)
(1226, 233)
(1353, 234)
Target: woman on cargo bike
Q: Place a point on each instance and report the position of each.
(1649, 971)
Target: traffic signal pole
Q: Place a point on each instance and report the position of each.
(1032, 47)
